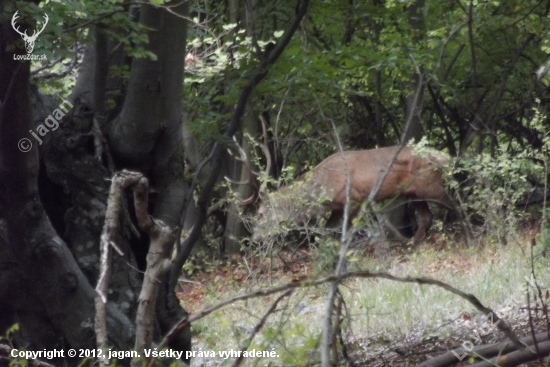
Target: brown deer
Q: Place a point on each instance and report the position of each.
(418, 177)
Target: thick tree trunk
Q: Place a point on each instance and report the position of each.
(48, 295)
(148, 133)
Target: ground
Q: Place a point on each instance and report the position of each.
(387, 323)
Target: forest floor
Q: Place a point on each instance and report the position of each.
(386, 323)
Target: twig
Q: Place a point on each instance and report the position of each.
(345, 353)
(92, 21)
(259, 326)
(327, 336)
(48, 65)
(532, 327)
(499, 323)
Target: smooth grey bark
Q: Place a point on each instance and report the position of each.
(94, 81)
(234, 227)
(147, 135)
(152, 108)
(83, 88)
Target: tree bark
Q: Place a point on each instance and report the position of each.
(148, 132)
(52, 299)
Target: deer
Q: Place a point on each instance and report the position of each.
(374, 174)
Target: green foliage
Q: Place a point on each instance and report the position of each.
(326, 253)
(202, 260)
(538, 123)
(352, 58)
(293, 341)
(68, 30)
(495, 187)
(291, 207)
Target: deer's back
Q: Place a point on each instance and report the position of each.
(409, 174)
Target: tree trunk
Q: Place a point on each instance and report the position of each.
(234, 228)
(54, 299)
(148, 133)
(415, 101)
(47, 293)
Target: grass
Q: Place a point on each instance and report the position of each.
(379, 309)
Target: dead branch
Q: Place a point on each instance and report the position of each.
(243, 158)
(484, 351)
(158, 263)
(265, 150)
(119, 183)
(345, 241)
(499, 323)
(517, 357)
(258, 192)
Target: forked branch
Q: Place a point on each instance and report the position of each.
(258, 192)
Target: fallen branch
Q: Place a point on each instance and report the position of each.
(485, 351)
(518, 357)
(158, 263)
(499, 323)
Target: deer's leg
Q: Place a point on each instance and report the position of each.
(334, 219)
(338, 214)
(424, 219)
(450, 204)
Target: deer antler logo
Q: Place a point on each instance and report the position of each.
(29, 40)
